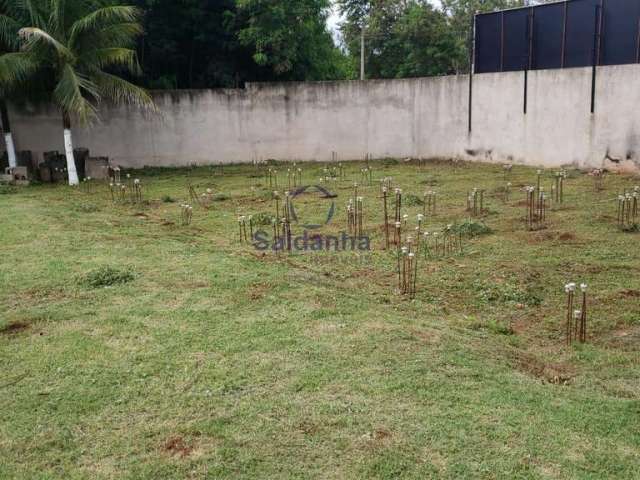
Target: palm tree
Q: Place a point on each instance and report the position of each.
(83, 46)
(14, 66)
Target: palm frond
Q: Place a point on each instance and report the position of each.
(113, 57)
(70, 94)
(34, 35)
(31, 9)
(15, 67)
(8, 31)
(103, 18)
(119, 91)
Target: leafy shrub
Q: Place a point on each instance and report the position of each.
(263, 219)
(221, 197)
(411, 200)
(7, 189)
(506, 293)
(472, 228)
(494, 326)
(168, 199)
(107, 276)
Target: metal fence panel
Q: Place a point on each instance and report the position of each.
(581, 28)
(515, 36)
(488, 43)
(621, 26)
(548, 36)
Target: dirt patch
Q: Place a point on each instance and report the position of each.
(258, 291)
(551, 236)
(177, 447)
(566, 237)
(308, 428)
(555, 373)
(424, 337)
(381, 434)
(625, 339)
(628, 293)
(542, 236)
(14, 328)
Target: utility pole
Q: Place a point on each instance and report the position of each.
(362, 53)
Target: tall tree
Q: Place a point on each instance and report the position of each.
(14, 66)
(83, 47)
(224, 43)
(191, 44)
(402, 37)
(290, 38)
(461, 13)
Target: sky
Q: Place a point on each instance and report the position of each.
(333, 21)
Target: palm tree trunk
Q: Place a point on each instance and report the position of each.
(8, 137)
(68, 150)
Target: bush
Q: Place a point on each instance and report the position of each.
(411, 200)
(168, 199)
(221, 197)
(263, 219)
(107, 276)
(508, 293)
(472, 228)
(7, 189)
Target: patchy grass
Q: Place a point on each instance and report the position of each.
(107, 276)
(220, 361)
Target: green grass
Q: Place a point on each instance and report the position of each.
(134, 348)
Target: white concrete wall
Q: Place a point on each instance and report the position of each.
(425, 117)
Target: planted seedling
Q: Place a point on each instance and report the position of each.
(628, 210)
(386, 216)
(598, 179)
(558, 190)
(276, 201)
(137, 191)
(286, 221)
(576, 320)
(387, 183)
(186, 215)
(429, 204)
(536, 208)
(242, 225)
(507, 169)
(366, 176)
(507, 192)
(397, 238)
(475, 202)
(398, 204)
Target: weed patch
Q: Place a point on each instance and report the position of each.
(107, 276)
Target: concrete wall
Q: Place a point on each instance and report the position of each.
(425, 117)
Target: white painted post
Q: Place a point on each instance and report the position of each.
(71, 163)
(11, 150)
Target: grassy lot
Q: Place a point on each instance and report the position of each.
(198, 357)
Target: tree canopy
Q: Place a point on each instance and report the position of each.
(224, 43)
